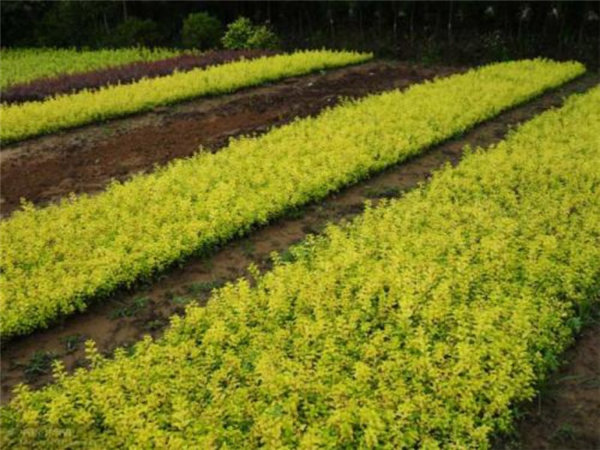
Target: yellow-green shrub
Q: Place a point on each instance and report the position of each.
(24, 120)
(419, 325)
(20, 65)
(55, 258)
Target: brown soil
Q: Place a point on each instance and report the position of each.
(86, 159)
(572, 414)
(566, 414)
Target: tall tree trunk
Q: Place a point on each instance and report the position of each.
(395, 24)
(561, 32)
(450, 37)
(331, 30)
(360, 23)
(412, 22)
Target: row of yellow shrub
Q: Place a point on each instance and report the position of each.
(29, 119)
(57, 257)
(419, 325)
(20, 65)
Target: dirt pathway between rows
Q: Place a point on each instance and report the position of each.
(86, 159)
(566, 413)
(125, 317)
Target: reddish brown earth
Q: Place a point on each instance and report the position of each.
(86, 159)
(572, 413)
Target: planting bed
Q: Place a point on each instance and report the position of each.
(111, 325)
(53, 265)
(285, 361)
(128, 315)
(86, 159)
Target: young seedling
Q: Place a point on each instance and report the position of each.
(203, 287)
(248, 248)
(383, 192)
(564, 433)
(154, 325)
(287, 256)
(72, 342)
(130, 310)
(39, 364)
(181, 301)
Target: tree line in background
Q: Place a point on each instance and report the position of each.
(449, 32)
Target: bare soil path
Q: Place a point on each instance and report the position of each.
(86, 159)
(566, 414)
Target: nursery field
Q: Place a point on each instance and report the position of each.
(86, 159)
(206, 273)
(24, 120)
(209, 198)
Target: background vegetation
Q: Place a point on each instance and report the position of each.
(451, 32)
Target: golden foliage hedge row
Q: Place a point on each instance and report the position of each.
(419, 325)
(20, 65)
(56, 258)
(29, 119)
